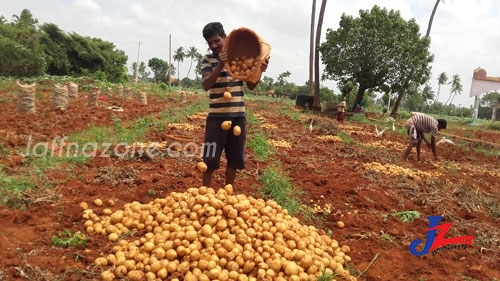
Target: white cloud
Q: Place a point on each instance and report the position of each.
(464, 33)
(88, 5)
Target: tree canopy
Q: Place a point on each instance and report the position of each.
(379, 51)
(27, 50)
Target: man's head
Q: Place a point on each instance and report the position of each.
(441, 124)
(214, 34)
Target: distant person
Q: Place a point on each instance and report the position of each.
(358, 108)
(417, 125)
(217, 80)
(341, 110)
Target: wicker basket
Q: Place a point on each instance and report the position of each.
(246, 51)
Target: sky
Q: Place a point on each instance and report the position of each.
(465, 33)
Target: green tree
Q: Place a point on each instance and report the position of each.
(160, 69)
(91, 55)
(20, 52)
(377, 51)
(139, 70)
(414, 100)
(179, 56)
(54, 44)
(487, 101)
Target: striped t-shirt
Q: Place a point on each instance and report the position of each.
(423, 123)
(220, 107)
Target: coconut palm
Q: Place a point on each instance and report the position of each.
(192, 54)
(311, 49)
(456, 88)
(316, 101)
(427, 93)
(442, 79)
(179, 56)
(429, 27)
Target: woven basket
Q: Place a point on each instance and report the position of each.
(246, 51)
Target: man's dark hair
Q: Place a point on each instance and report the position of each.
(213, 28)
(441, 124)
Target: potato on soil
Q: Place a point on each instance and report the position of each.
(202, 167)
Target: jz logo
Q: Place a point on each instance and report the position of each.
(435, 240)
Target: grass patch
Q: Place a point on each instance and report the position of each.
(407, 216)
(137, 130)
(261, 148)
(11, 190)
(345, 137)
(277, 186)
(33, 185)
(67, 239)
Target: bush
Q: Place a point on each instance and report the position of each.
(163, 86)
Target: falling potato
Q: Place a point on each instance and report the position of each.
(226, 125)
(202, 167)
(227, 95)
(236, 130)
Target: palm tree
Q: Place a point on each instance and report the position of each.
(193, 54)
(311, 49)
(442, 79)
(179, 56)
(316, 101)
(427, 93)
(429, 27)
(456, 88)
(197, 70)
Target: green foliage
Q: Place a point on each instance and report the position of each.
(379, 50)
(67, 239)
(493, 126)
(406, 216)
(325, 276)
(160, 69)
(163, 86)
(28, 51)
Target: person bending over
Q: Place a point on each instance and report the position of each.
(417, 125)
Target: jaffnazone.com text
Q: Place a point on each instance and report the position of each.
(61, 147)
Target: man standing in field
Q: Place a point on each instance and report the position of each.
(341, 110)
(417, 125)
(217, 81)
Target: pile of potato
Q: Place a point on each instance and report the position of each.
(243, 66)
(279, 143)
(203, 234)
(330, 138)
(395, 170)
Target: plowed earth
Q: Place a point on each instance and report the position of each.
(362, 182)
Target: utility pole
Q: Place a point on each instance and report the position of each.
(169, 59)
(137, 63)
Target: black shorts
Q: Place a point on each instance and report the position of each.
(216, 140)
